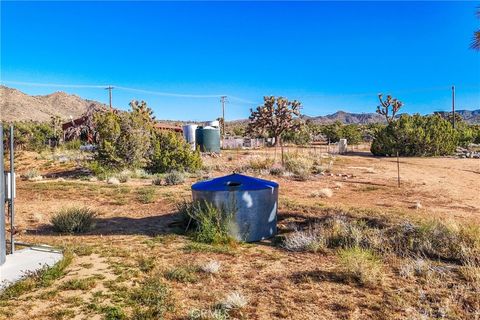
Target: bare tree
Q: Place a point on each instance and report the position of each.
(275, 117)
(389, 107)
(85, 127)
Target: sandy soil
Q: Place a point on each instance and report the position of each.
(279, 284)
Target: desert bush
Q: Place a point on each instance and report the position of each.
(419, 136)
(74, 220)
(361, 265)
(171, 152)
(212, 267)
(30, 135)
(146, 195)
(277, 171)
(123, 176)
(309, 240)
(74, 144)
(234, 300)
(152, 299)
(322, 193)
(146, 264)
(301, 167)
(174, 178)
(183, 274)
(113, 180)
(157, 180)
(209, 224)
(32, 175)
(261, 163)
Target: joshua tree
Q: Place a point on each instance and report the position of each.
(385, 106)
(275, 117)
(476, 35)
(384, 109)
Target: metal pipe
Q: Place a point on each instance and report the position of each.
(3, 243)
(12, 201)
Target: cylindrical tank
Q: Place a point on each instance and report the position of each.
(189, 134)
(199, 138)
(251, 202)
(214, 123)
(342, 146)
(208, 138)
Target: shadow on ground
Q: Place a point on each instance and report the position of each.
(149, 226)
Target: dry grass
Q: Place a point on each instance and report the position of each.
(428, 268)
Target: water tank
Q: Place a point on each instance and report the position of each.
(189, 134)
(342, 146)
(214, 123)
(252, 202)
(208, 139)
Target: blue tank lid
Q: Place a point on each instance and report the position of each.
(234, 182)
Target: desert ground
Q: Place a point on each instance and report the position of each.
(137, 236)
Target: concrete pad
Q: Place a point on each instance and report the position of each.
(24, 262)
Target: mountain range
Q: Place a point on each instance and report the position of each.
(18, 106)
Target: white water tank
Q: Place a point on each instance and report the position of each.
(189, 134)
(214, 123)
(342, 146)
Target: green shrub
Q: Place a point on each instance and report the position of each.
(157, 180)
(146, 195)
(72, 145)
(260, 163)
(171, 152)
(174, 178)
(210, 225)
(300, 166)
(31, 174)
(74, 220)
(123, 176)
(152, 299)
(419, 135)
(183, 274)
(361, 265)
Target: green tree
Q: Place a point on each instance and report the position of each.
(171, 152)
(416, 136)
(352, 133)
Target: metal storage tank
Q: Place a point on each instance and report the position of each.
(189, 134)
(208, 139)
(214, 123)
(199, 137)
(252, 201)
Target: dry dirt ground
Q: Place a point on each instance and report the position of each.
(137, 236)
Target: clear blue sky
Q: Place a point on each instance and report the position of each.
(329, 55)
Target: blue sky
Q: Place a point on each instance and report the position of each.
(329, 55)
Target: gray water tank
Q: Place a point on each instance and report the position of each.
(252, 202)
(208, 139)
(189, 134)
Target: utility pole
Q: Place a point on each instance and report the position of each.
(453, 105)
(223, 99)
(109, 88)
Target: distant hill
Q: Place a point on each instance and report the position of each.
(348, 118)
(470, 116)
(18, 106)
